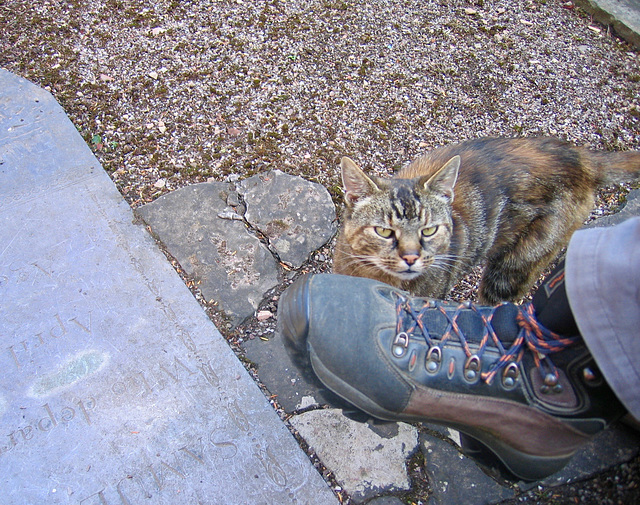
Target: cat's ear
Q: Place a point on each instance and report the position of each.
(356, 183)
(445, 179)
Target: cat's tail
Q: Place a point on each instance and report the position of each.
(614, 167)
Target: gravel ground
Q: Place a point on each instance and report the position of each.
(169, 93)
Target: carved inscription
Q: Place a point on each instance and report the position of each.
(217, 446)
(272, 467)
(58, 327)
(168, 473)
(221, 443)
(40, 272)
(164, 472)
(175, 373)
(46, 421)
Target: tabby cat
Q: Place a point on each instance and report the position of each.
(509, 203)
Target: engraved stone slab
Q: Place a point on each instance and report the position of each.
(115, 387)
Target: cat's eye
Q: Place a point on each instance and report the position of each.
(383, 232)
(428, 232)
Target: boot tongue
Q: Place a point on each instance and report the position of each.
(504, 322)
(470, 324)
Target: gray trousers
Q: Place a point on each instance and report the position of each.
(602, 272)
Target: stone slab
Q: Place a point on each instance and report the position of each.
(115, 387)
(295, 388)
(364, 462)
(622, 15)
(456, 479)
(296, 216)
(216, 232)
(211, 242)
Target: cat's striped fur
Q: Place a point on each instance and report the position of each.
(510, 203)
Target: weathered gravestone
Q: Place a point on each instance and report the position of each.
(115, 386)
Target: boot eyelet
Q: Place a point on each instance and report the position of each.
(591, 377)
(433, 360)
(510, 376)
(400, 345)
(472, 368)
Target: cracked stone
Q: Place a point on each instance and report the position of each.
(297, 216)
(203, 227)
(375, 464)
(211, 243)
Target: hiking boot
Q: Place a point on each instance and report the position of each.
(493, 373)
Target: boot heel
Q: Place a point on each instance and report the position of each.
(509, 462)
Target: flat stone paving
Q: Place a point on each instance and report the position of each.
(115, 388)
(233, 237)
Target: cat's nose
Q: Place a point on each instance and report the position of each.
(410, 259)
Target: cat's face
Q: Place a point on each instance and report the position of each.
(398, 227)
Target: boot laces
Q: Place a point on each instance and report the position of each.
(531, 335)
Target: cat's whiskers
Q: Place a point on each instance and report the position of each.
(452, 259)
(442, 267)
(446, 262)
(362, 260)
